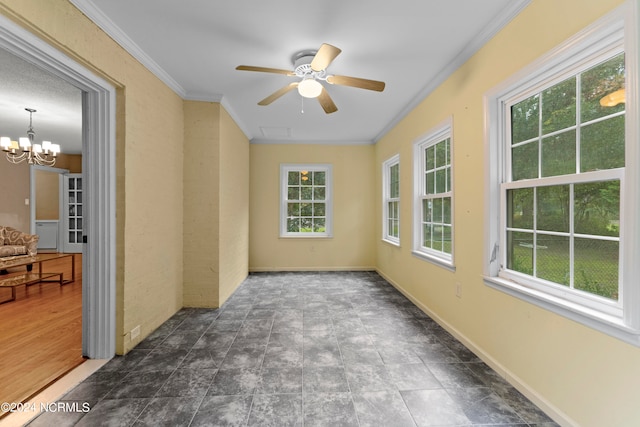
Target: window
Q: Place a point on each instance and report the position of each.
(558, 183)
(391, 200)
(305, 200)
(433, 207)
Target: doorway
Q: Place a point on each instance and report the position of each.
(98, 175)
(57, 208)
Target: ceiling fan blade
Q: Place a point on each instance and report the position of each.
(277, 94)
(356, 82)
(326, 102)
(265, 70)
(325, 56)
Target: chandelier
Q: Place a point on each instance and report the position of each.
(25, 150)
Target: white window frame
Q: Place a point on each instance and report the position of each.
(387, 199)
(614, 33)
(311, 167)
(437, 134)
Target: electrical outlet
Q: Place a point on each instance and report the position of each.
(459, 289)
(135, 332)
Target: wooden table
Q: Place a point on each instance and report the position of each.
(14, 280)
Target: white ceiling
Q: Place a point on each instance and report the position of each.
(58, 105)
(194, 47)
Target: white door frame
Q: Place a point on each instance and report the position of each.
(98, 174)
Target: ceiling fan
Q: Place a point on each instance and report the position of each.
(311, 67)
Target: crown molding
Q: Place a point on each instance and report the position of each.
(107, 25)
(507, 15)
(309, 142)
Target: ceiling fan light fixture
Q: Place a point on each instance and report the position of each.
(310, 88)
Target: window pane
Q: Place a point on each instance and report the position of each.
(601, 81)
(520, 207)
(305, 178)
(553, 208)
(394, 191)
(319, 178)
(318, 225)
(318, 193)
(552, 259)
(293, 225)
(442, 155)
(602, 145)
(597, 208)
(394, 182)
(448, 186)
(393, 210)
(394, 228)
(559, 154)
(436, 237)
(524, 161)
(293, 178)
(306, 209)
(430, 183)
(293, 193)
(559, 106)
(596, 267)
(306, 225)
(446, 239)
(430, 159)
(427, 235)
(446, 210)
(306, 193)
(441, 181)
(293, 209)
(426, 210)
(524, 120)
(437, 211)
(520, 252)
(319, 209)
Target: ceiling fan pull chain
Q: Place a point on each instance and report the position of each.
(302, 104)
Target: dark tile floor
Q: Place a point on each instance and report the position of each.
(300, 349)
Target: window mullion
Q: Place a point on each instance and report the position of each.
(540, 107)
(571, 237)
(535, 233)
(578, 124)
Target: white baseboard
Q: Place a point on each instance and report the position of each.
(283, 269)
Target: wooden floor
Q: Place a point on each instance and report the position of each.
(40, 333)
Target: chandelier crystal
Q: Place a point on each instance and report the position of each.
(24, 150)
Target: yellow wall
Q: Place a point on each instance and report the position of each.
(234, 206)
(47, 195)
(216, 205)
(13, 210)
(201, 203)
(352, 245)
(148, 160)
(585, 377)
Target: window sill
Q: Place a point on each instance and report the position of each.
(607, 324)
(391, 242)
(302, 236)
(435, 260)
